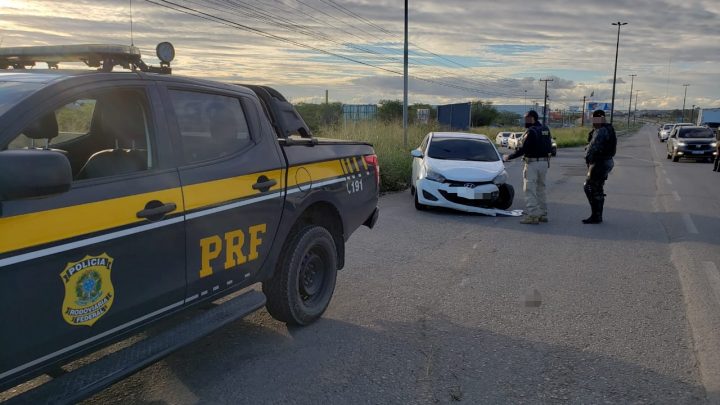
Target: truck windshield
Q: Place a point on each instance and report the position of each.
(697, 133)
(478, 150)
(12, 92)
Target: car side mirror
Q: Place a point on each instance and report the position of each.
(416, 153)
(29, 173)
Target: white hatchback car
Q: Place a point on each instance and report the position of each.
(460, 171)
(515, 140)
(502, 138)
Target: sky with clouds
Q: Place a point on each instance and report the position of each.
(460, 50)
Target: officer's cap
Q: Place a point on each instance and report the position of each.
(598, 113)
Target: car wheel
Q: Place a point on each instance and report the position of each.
(412, 190)
(675, 157)
(418, 206)
(304, 281)
(505, 200)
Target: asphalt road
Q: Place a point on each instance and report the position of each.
(441, 306)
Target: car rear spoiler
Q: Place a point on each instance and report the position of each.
(283, 115)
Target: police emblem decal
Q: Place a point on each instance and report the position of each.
(89, 292)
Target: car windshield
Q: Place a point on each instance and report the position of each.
(479, 150)
(12, 92)
(696, 133)
(668, 126)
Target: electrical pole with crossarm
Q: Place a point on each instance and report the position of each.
(545, 100)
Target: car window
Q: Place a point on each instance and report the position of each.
(211, 126)
(462, 149)
(105, 133)
(696, 133)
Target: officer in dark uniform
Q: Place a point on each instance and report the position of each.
(536, 147)
(599, 159)
(716, 166)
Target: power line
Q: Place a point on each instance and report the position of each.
(223, 21)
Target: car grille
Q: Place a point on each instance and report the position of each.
(453, 183)
(464, 201)
(698, 146)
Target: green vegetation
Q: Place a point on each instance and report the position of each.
(395, 160)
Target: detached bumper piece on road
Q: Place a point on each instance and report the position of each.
(83, 382)
(469, 197)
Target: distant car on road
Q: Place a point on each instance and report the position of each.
(460, 171)
(691, 142)
(515, 140)
(502, 138)
(666, 133)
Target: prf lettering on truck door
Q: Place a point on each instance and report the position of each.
(234, 244)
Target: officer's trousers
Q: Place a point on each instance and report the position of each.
(534, 175)
(594, 184)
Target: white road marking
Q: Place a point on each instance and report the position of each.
(713, 276)
(475, 246)
(689, 224)
(668, 181)
(676, 195)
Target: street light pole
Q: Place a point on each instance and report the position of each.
(617, 48)
(582, 119)
(405, 81)
(684, 97)
(632, 82)
(635, 113)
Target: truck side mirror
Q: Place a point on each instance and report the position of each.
(416, 153)
(28, 173)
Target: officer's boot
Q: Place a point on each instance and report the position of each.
(597, 209)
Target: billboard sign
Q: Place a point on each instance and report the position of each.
(599, 106)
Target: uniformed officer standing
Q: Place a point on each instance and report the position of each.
(599, 160)
(536, 149)
(716, 165)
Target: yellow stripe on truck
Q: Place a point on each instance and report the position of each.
(318, 172)
(216, 192)
(62, 223)
(42, 227)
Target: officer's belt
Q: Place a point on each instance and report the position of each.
(534, 159)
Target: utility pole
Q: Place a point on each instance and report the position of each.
(525, 105)
(692, 113)
(635, 113)
(684, 97)
(617, 48)
(582, 119)
(545, 100)
(632, 81)
(405, 80)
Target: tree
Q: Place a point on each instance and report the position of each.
(317, 115)
(482, 113)
(390, 110)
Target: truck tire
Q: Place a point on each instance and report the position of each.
(304, 281)
(507, 194)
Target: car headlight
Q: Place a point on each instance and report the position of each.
(434, 176)
(713, 145)
(501, 178)
(681, 144)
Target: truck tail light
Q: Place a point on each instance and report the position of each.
(372, 160)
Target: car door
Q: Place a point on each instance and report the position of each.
(232, 174)
(105, 256)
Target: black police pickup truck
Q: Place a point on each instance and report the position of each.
(128, 196)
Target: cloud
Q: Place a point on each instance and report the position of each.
(458, 49)
(619, 80)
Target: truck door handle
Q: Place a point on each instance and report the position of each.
(264, 184)
(155, 210)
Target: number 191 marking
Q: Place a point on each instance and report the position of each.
(354, 186)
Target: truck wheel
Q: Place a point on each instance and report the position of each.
(507, 193)
(301, 288)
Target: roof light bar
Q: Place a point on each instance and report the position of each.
(101, 56)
